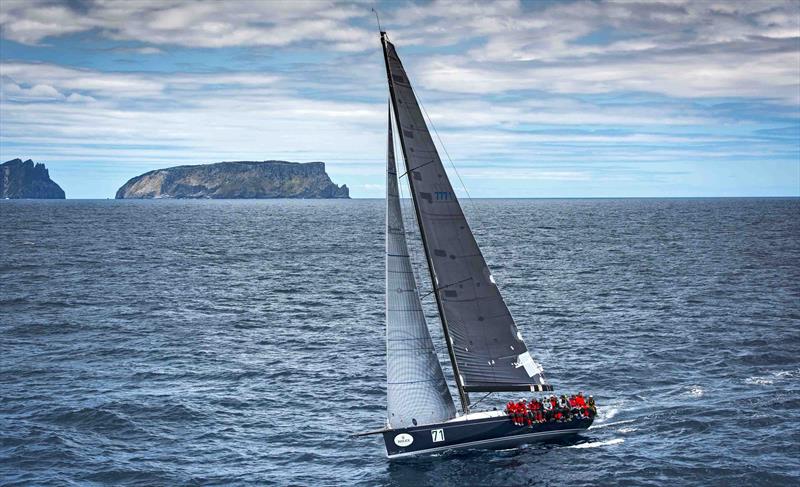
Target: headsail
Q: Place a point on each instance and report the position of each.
(416, 389)
(487, 349)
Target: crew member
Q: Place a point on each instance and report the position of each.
(592, 407)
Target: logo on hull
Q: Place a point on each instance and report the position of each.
(403, 439)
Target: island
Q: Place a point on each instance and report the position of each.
(24, 179)
(240, 179)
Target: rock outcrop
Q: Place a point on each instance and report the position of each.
(243, 179)
(24, 179)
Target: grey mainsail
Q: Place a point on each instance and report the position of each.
(486, 349)
(416, 389)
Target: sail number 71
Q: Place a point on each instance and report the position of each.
(438, 435)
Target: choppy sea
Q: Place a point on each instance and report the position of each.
(241, 342)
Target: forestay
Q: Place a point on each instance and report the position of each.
(416, 389)
(489, 352)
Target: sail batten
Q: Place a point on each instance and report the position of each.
(415, 385)
(487, 350)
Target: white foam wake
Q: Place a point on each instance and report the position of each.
(605, 425)
(610, 413)
(595, 444)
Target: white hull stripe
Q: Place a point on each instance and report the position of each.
(488, 442)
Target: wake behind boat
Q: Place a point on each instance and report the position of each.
(486, 350)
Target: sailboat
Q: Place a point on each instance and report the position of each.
(485, 348)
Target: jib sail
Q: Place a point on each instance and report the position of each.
(416, 389)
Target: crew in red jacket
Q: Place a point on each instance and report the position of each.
(582, 404)
(536, 410)
(511, 410)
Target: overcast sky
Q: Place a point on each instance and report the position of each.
(531, 99)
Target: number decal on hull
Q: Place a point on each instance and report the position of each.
(437, 435)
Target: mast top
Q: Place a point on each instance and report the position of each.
(378, 19)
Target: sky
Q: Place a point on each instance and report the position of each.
(530, 99)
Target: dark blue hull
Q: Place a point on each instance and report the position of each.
(496, 432)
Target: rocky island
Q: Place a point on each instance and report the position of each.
(242, 179)
(24, 179)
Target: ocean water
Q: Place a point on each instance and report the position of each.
(241, 342)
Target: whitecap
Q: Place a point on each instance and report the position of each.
(609, 414)
(605, 425)
(595, 444)
(787, 374)
(767, 380)
(761, 381)
(697, 391)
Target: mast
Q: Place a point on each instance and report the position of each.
(462, 394)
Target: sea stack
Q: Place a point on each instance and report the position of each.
(241, 179)
(24, 179)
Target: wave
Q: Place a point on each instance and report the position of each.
(770, 379)
(92, 418)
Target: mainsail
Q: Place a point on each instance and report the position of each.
(486, 349)
(416, 389)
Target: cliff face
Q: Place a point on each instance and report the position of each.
(20, 179)
(244, 179)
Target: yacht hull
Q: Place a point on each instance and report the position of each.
(497, 432)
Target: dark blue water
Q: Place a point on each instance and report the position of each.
(240, 342)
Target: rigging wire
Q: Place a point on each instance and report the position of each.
(481, 399)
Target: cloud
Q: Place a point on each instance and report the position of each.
(770, 75)
(527, 174)
(31, 21)
(678, 48)
(178, 117)
(203, 23)
(36, 92)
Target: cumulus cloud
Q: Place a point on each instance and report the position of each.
(202, 23)
(35, 92)
(677, 48)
